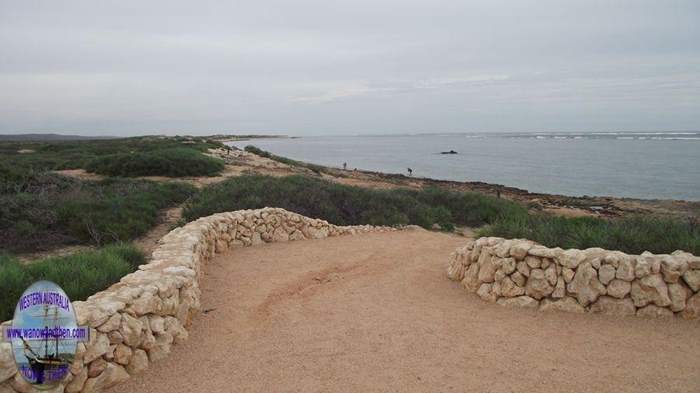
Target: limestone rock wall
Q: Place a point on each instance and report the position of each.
(525, 274)
(137, 320)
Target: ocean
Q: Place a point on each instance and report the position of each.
(648, 165)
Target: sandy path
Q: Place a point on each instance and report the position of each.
(375, 313)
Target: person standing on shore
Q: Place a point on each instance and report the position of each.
(345, 166)
(410, 172)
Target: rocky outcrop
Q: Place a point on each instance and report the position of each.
(523, 273)
(137, 320)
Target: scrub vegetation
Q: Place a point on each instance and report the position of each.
(313, 167)
(632, 235)
(175, 162)
(45, 210)
(349, 205)
(127, 157)
(80, 275)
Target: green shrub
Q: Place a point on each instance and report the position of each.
(313, 167)
(51, 210)
(175, 162)
(80, 275)
(78, 154)
(348, 205)
(632, 235)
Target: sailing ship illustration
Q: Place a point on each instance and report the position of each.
(51, 365)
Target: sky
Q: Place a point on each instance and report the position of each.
(324, 67)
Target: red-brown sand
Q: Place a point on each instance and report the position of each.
(376, 313)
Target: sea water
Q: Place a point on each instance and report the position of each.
(649, 165)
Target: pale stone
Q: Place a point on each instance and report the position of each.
(523, 268)
(175, 328)
(21, 385)
(157, 324)
(568, 274)
(545, 263)
(652, 311)
(96, 367)
(650, 289)
(518, 279)
(619, 288)
(7, 362)
(471, 278)
(533, 262)
(544, 252)
(551, 274)
(692, 278)
(158, 352)
(147, 303)
(485, 292)
(585, 284)
(612, 258)
(111, 376)
(76, 384)
(109, 355)
(508, 265)
(112, 323)
(571, 258)
(625, 270)
(673, 267)
(643, 267)
(96, 348)
(77, 364)
(496, 289)
(510, 289)
(221, 246)
(559, 289)
(500, 275)
(692, 307)
(503, 249)
(115, 337)
(678, 293)
(520, 301)
(131, 330)
(487, 267)
(122, 354)
(606, 273)
(537, 285)
(280, 235)
(612, 306)
(180, 271)
(567, 304)
(519, 249)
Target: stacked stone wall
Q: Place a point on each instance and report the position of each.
(137, 320)
(525, 274)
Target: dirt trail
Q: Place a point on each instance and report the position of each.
(376, 313)
(167, 220)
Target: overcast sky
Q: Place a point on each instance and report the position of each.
(313, 67)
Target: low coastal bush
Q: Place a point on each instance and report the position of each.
(25, 157)
(313, 167)
(177, 162)
(80, 275)
(47, 210)
(348, 205)
(632, 235)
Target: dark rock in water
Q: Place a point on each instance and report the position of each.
(449, 152)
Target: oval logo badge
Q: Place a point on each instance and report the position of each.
(44, 334)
